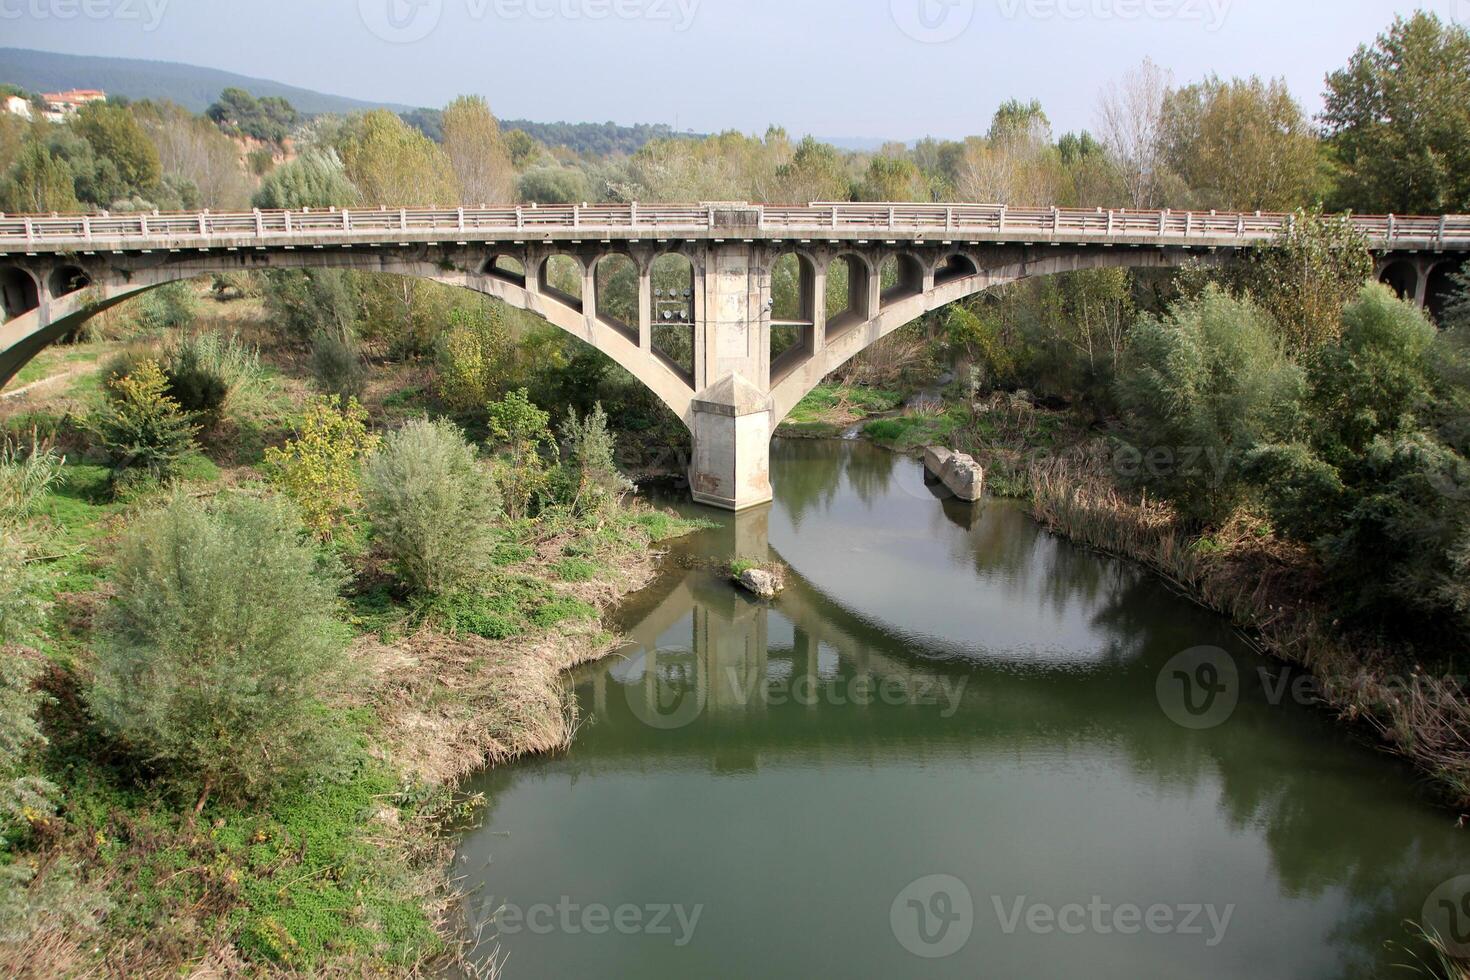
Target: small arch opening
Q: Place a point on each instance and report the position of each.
(1402, 278)
(847, 294)
(506, 267)
(1440, 289)
(900, 276)
(18, 291)
(68, 279)
(674, 311)
(561, 279)
(616, 277)
(955, 268)
(793, 310)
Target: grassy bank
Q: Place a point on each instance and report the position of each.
(342, 869)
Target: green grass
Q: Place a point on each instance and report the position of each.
(576, 570)
(906, 432)
(829, 408)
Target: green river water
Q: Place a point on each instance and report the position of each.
(955, 746)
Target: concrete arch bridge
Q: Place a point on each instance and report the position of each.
(899, 262)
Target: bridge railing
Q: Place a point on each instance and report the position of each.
(822, 219)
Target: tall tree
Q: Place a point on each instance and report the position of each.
(1241, 145)
(1399, 118)
(477, 152)
(1129, 116)
(115, 136)
(37, 182)
(394, 164)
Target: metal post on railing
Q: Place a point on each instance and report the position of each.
(1000, 221)
(633, 214)
(1110, 223)
(403, 219)
(346, 219)
(1056, 220)
(949, 219)
(520, 218)
(203, 230)
(1391, 223)
(288, 222)
(459, 215)
(1441, 230)
(30, 230)
(1240, 226)
(834, 216)
(143, 223)
(87, 227)
(1188, 223)
(259, 223)
(890, 218)
(1163, 220)
(576, 215)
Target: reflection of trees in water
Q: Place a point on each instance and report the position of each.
(813, 483)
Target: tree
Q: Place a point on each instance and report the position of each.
(1241, 145)
(239, 113)
(316, 179)
(1129, 119)
(394, 164)
(476, 151)
(219, 644)
(589, 470)
(38, 182)
(1398, 117)
(191, 149)
(140, 427)
(815, 173)
(432, 506)
(1306, 277)
(114, 134)
(521, 432)
(320, 467)
(893, 178)
(1015, 164)
(553, 185)
(1200, 388)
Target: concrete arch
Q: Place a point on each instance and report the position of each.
(23, 337)
(606, 310)
(1402, 276)
(862, 289)
(911, 275)
(577, 303)
(20, 292)
(855, 338)
(1439, 286)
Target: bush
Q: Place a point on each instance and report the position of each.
(172, 306)
(219, 643)
(25, 474)
(205, 370)
(337, 365)
(520, 431)
(471, 357)
(432, 507)
(591, 476)
(320, 468)
(1200, 388)
(140, 427)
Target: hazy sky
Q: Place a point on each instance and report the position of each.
(836, 68)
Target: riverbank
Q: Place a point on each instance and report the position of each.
(1272, 590)
(342, 870)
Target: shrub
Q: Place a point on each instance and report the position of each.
(25, 474)
(591, 474)
(1200, 388)
(172, 306)
(520, 431)
(337, 365)
(432, 507)
(205, 370)
(471, 357)
(219, 643)
(320, 468)
(140, 427)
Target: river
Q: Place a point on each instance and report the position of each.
(955, 746)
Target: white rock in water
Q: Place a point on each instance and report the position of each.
(762, 583)
(964, 477)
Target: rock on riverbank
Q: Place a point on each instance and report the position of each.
(964, 477)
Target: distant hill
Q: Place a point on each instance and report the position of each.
(190, 86)
(195, 88)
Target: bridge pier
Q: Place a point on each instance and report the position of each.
(731, 423)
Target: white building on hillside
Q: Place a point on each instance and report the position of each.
(17, 106)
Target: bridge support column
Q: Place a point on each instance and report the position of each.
(731, 425)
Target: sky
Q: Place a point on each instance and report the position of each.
(889, 69)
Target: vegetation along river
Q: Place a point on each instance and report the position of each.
(955, 746)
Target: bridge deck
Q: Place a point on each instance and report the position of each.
(643, 222)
